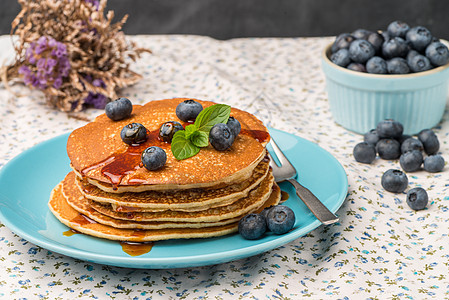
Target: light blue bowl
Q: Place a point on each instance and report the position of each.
(358, 101)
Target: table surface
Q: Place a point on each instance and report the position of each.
(380, 249)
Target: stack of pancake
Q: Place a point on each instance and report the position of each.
(109, 194)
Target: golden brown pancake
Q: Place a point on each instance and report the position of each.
(76, 200)
(185, 200)
(111, 195)
(253, 201)
(97, 153)
(79, 222)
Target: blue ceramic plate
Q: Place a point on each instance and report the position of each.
(27, 180)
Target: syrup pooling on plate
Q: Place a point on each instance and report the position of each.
(136, 249)
(70, 232)
(284, 196)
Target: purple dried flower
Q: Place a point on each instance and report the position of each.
(48, 63)
(98, 82)
(57, 83)
(97, 100)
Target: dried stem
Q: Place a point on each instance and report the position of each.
(97, 48)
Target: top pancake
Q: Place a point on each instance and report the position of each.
(97, 152)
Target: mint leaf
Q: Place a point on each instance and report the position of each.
(181, 147)
(200, 139)
(186, 143)
(190, 129)
(214, 114)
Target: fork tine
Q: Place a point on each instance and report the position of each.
(280, 155)
(273, 163)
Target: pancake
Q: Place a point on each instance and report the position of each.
(109, 194)
(98, 154)
(75, 199)
(79, 222)
(242, 206)
(185, 200)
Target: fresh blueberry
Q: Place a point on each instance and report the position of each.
(134, 133)
(411, 161)
(434, 163)
(411, 144)
(364, 153)
(394, 181)
(221, 137)
(371, 137)
(412, 53)
(154, 158)
(119, 109)
(437, 53)
(435, 39)
(419, 37)
(376, 65)
(234, 125)
(360, 51)
(388, 149)
(252, 226)
(419, 63)
(188, 110)
(429, 140)
(342, 41)
(397, 65)
(389, 128)
(395, 47)
(356, 67)
(341, 58)
(402, 138)
(417, 198)
(361, 34)
(386, 36)
(376, 40)
(168, 129)
(265, 211)
(398, 29)
(280, 219)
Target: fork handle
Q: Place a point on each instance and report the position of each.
(314, 204)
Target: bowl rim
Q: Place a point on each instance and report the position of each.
(326, 53)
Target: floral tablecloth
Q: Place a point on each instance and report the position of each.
(380, 249)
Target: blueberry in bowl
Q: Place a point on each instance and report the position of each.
(405, 77)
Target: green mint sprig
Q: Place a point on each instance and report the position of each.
(187, 143)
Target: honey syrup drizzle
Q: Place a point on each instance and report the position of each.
(81, 220)
(118, 165)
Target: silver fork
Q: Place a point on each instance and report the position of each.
(287, 172)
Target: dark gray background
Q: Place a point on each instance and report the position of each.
(224, 19)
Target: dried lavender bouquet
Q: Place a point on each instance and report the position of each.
(72, 52)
